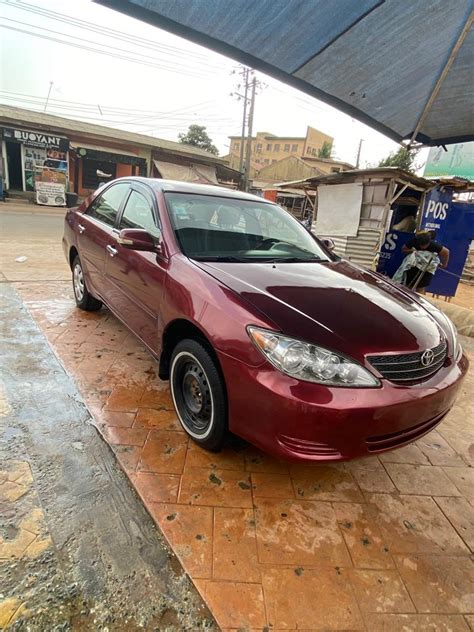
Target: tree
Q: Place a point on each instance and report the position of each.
(326, 150)
(198, 137)
(403, 159)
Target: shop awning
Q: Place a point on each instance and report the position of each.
(201, 174)
(404, 68)
(102, 148)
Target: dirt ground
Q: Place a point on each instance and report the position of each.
(382, 544)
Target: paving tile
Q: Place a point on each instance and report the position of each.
(442, 584)
(188, 529)
(125, 436)
(235, 545)
(366, 463)
(362, 536)
(461, 515)
(459, 439)
(128, 456)
(299, 532)
(159, 419)
(408, 454)
(236, 605)
(373, 480)
(470, 621)
(124, 420)
(415, 623)
(272, 485)
(421, 480)
(258, 461)
(217, 488)
(163, 452)
(414, 524)
(226, 459)
(157, 488)
(463, 479)
(156, 397)
(324, 597)
(438, 450)
(124, 399)
(325, 482)
(380, 591)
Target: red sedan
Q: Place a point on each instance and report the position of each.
(258, 326)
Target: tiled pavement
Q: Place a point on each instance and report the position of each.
(381, 544)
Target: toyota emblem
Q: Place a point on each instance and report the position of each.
(427, 357)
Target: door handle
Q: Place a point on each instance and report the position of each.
(81, 228)
(111, 250)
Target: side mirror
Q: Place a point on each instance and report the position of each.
(330, 245)
(137, 239)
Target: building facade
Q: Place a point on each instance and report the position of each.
(41, 150)
(266, 148)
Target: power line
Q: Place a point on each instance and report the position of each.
(101, 52)
(108, 32)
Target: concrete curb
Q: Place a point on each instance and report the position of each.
(462, 317)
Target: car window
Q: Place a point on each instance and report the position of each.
(106, 206)
(139, 214)
(214, 227)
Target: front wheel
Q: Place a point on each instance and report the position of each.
(198, 392)
(84, 300)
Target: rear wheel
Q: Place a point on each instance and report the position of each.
(198, 392)
(84, 300)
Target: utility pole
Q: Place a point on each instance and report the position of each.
(248, 153)
(244, 118)
(47, 98)
(358, 153)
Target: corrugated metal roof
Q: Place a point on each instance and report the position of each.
(405, 68)
(31, 118)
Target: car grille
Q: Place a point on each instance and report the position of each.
(310, 448)
(408, 367)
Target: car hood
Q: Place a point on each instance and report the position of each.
(335, 304)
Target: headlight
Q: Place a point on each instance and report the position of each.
(309, 362)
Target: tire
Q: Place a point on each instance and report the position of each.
(199, 394)
(84, 299)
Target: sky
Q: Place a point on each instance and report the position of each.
(104, 67)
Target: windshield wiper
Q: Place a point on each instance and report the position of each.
(293, 260)
(223, 259)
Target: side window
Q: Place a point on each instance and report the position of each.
(106, 206)
(139, 214)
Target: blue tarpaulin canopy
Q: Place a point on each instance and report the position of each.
(404, 67)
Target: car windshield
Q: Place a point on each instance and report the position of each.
(211, 228)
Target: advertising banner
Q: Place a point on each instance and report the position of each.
(50, 194)
(391, 255)
(457, 161)
(453, 227)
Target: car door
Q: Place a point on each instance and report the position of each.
(135, 279)
(95, 232)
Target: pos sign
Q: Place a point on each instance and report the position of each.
(437, 206)
(453, 223)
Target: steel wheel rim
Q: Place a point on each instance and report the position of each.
(78, 282)
(192, 395)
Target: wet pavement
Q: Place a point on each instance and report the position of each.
(77, 548)
(382, 544)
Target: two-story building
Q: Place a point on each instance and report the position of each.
(266, 148)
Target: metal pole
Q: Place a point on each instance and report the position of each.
(47, 98)
(248, 153)
(242, 138)
(358, 153)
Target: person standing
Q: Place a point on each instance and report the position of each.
(424, 242)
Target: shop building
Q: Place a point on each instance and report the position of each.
(44, 148)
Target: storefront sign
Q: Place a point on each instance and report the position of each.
(36, 139)
(50, 194)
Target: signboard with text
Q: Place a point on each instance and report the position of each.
(38, 139)
(50, 194)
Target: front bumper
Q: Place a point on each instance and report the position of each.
(300, 421)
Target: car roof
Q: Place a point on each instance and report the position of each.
(177, 186)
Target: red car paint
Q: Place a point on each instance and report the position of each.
(335, 304)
